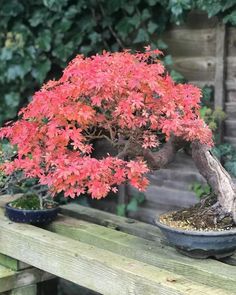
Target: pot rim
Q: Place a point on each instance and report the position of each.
(195, 232)
(7, 206)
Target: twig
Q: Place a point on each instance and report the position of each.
(111, 29)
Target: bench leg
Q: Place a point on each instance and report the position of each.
(27, 290)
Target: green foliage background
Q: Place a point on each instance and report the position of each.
(38, 38)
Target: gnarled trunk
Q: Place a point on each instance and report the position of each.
(208, 165)
(216, 176)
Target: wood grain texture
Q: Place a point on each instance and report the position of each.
(231, 71)
(209, 272)
(219, 93)
(196, 68)
(231, 41)
(10, 279)
(12, 263)
(92, 267)
(230, 109)
(230, 127)
(109, 220)
(27, 290)
(186, 42)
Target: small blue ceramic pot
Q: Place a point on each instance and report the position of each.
(43, 216)
(200, 244)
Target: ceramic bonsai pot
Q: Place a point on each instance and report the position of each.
(200, 244)
(43, 216)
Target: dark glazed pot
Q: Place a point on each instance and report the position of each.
(43, 216)
(200, 244)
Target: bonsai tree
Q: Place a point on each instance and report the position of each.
(127, 99)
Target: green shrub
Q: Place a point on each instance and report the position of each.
(38, 38)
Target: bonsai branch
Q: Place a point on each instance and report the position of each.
(161, 158)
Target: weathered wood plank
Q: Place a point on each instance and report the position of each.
(185, 42)
(91, 267)
(112, 221)
(231, 41)
(196, 68)
(230, 86)
(230, 125)
(231, 71)
(12, 263)
(219, 93)
(202, 83)
(230, 109)
(219, 68)
(209, 272)
(109, 220)
(231, 95)
(27, 290)
(10, 279)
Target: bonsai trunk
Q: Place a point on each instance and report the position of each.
(210, 168)
(208, 165)
(217, 177)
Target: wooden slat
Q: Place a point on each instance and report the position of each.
(185, 42)
(219, 69)
(196, 20)
(10, 279)
(209, 272)
(12, 263)
(91, 267)
(231, 71)
(126, 225)
(230, 128)
(231, 41)
(230, 109)
(231, 96)
(202, 83)
(196, 68)
(112, 221)
(27, 290)
(219, 93)
(230, 86)
(220, 66)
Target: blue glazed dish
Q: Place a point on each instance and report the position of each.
(43, 216)
(200, 244)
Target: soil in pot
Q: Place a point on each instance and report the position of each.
(202, 216)
(27, 209)
(200, 231)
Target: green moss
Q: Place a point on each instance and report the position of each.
(27, 202)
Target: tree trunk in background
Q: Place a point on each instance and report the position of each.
(216, 176)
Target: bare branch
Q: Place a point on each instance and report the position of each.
(118, 40)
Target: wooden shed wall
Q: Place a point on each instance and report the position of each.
(204, 51)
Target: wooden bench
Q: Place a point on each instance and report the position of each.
(112, 255)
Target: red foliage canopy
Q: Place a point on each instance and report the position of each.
(113, 96)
